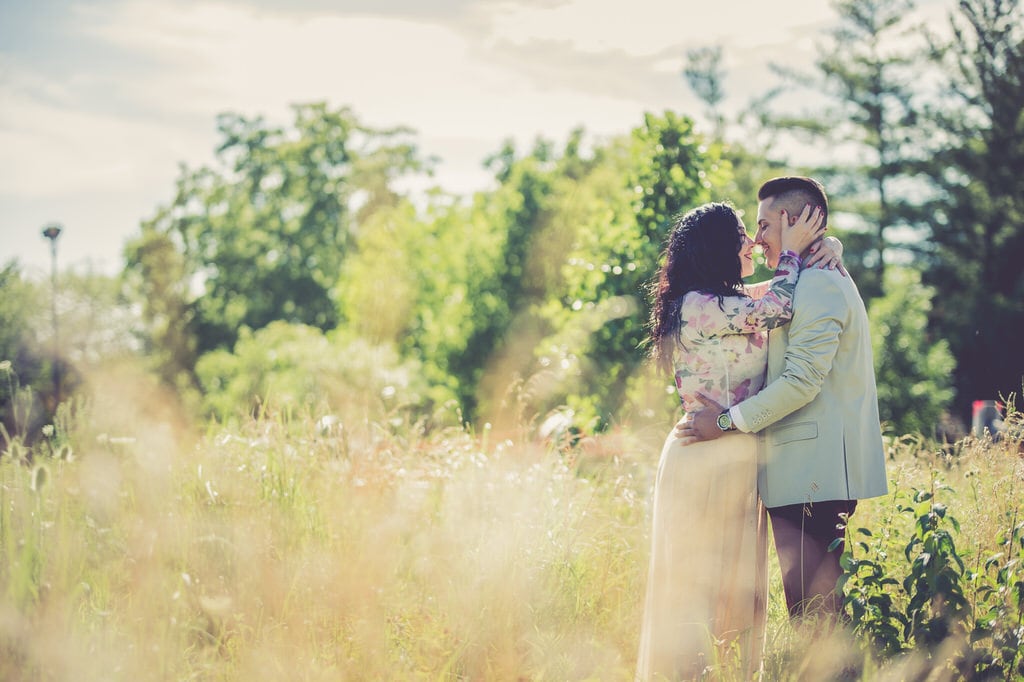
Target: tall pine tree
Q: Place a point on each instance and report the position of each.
(866, 75)
(977, 222)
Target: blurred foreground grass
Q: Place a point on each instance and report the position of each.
(318, 547)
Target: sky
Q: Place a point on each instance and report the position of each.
(102, 101)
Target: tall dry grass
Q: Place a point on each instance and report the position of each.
(293, 547)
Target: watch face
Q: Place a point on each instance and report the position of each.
(724, 421)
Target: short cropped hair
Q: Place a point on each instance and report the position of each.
(793, 192)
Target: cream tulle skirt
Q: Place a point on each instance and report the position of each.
(704, 611)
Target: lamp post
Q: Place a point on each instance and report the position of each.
(51, 231)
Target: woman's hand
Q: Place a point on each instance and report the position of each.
(807, 229)
(826, 254)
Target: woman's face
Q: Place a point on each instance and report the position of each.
(746, 253)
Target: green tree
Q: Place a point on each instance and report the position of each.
(377, 288)
(518, 211)
(261, 235)
(449, 259)
(705, 75)
(867, 76)
(977, 215)
(92, 327)
(21, 305)
(453, 284)
(299, 369)
(24, 360)
(912, 368)
(156, 275)
(599, 317)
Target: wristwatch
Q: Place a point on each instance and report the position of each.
(725, 421)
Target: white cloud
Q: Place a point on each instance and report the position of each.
(228, 57)
(647, 27)
(52, 145)
(212, 58)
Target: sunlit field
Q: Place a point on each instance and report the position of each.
(315, 545)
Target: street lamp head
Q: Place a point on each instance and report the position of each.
(52, 231)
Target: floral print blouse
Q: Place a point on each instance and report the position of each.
(722, 350)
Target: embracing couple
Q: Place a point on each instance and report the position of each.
(778, 387)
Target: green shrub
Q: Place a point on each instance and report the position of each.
(298, 367)
(921, 585)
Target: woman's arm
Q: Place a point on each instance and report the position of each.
(826, 254)
(704, 317)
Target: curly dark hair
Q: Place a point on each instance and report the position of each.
(702, 253)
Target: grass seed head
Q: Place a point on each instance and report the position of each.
(40, 477)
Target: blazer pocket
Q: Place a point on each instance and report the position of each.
(791, 432)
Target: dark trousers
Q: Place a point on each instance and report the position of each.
(803, 533)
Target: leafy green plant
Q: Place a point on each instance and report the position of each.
(932, 602)
(999, 604)
(937, 606)
(869, 588)
(913, 369)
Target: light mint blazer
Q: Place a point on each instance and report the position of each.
(818, 414)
